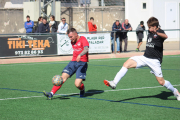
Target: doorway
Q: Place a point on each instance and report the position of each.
(171, 18)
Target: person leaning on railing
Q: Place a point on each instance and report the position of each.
(35, 28)
(53, 24)
(28, 25)
(126, 26)
(44, 26)
(116, 27)
(63, 26)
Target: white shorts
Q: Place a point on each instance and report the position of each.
(153, 64)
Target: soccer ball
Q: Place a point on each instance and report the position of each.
(57, 80)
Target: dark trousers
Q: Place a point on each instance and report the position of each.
(125, 44)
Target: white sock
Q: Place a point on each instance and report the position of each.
(52, 93)
(168, 85)
(120, 75)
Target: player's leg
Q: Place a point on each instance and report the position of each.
(155, 67)
(64, 76)
(118, 45)
(67, 72)
(121, 40)
(130, 63)
(81, 76)
(139, 44)
(169, 86)
(78, 83)
(125, 44)
(55, 88)
(112, 44)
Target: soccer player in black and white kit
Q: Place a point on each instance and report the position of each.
(152, 58)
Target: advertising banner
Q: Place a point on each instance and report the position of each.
(27, 45)
(98, 43)
(64, 45)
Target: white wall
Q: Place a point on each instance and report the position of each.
(156, 8)
(135, 13)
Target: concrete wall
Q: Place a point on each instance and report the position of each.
(103, 19)
(12, 20)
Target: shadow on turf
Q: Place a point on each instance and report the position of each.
(65, 97)
(92, 92)
(163, 95)
(88, 93)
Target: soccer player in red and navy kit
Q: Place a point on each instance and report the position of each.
(77, 65)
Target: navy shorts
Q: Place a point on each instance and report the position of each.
(79, 68)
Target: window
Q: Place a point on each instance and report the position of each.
(144, 5)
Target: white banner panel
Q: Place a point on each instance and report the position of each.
(98, 43)
(64, 46)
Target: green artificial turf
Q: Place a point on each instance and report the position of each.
(137, 96)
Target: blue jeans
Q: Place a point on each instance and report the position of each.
(117, 42)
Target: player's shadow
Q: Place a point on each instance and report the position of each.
(93, 92)
(65, 97)
(163, 95)
(88, 93)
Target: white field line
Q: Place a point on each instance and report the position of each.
(137, 88)
(36, 96)
(87, 92)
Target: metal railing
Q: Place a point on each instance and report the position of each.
(172, 43)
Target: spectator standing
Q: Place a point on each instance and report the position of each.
(63, 26)
(92, 26)
(44, 27)
(126, 26)
(53, 24)
(140, 34)
(116, 27)
(28, 25)
(39, 22)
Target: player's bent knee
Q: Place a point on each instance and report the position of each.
(130, 64)
(77, 83)
(126, 64)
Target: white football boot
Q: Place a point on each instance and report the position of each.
(177, 94)
(110, 84)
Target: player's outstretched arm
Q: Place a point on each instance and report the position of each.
(86, 49)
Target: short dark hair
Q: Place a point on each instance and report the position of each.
(117, 20)
(63, 18)
(142, 23)
(153, 22)
(91, 18)
(71, 30)
(27, 16)
(45, 18)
